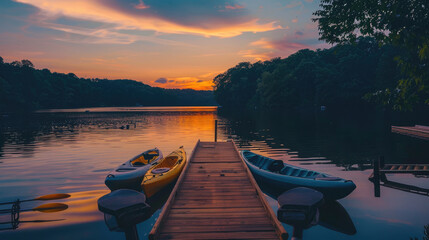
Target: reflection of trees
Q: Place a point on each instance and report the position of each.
(346, 140)
(425, 232)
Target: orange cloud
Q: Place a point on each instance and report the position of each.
(184, 83)
(232, 7)
(295, 20)
(262, 43)
(256, 55)
(268, 49)
(95, 10)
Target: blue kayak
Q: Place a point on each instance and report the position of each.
(285, 176)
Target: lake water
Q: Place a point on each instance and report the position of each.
(71, 151)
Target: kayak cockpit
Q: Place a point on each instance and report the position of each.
(145, 158)
(278, 166)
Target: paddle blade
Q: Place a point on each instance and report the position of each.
(53, 196)
(51, 207)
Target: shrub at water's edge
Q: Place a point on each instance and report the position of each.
(23, 88)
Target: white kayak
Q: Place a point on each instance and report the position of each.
(130, 174)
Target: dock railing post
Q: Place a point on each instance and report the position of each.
(215, 131)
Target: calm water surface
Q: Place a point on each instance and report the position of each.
(71, 151)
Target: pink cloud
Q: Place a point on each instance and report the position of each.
(294, 4)
(265, 49)
(141, 5)
(282, 44)
(99, 11)
(257, 54)
(233, 7)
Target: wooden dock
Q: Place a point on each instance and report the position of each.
(216, 197)
(417, 131)
(405, 168)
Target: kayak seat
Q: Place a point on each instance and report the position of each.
(276, 166)
(168, 162)
(141, 160)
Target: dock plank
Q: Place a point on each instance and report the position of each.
(216, 197)
(416, 131)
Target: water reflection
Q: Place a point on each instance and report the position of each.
(343, 146)
(73, 151)
(350, 142)
(156, 202)
(398, 186)
(331, 214)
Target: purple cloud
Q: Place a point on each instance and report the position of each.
(161, 80)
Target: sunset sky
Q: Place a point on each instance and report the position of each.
(165, 43)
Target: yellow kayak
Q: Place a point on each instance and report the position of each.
(164, 173)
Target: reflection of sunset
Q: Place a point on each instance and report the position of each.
(80, 148)
(82, 208)
(72, 151)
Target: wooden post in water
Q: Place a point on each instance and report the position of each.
(382, 175)
(377, 169)
(215, 131)
(376, 176)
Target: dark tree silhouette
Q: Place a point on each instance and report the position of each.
(24, 88)
(402, 23)
(27, 63)
(339, 78)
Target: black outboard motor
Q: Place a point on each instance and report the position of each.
(127, 208)
(298, 207)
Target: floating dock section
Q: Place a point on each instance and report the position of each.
(216, 197)
(417, 131)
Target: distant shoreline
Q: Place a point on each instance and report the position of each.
(127, 109)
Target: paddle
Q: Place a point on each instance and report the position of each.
(45, 208)
(34, 221)
(43, 198)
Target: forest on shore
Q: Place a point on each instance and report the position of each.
(24, 88)
(345, 76)
(380, 58)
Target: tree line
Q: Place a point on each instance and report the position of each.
(381, 58)
(24, 88)
(344, 76)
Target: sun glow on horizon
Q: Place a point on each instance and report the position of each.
(186, 43)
